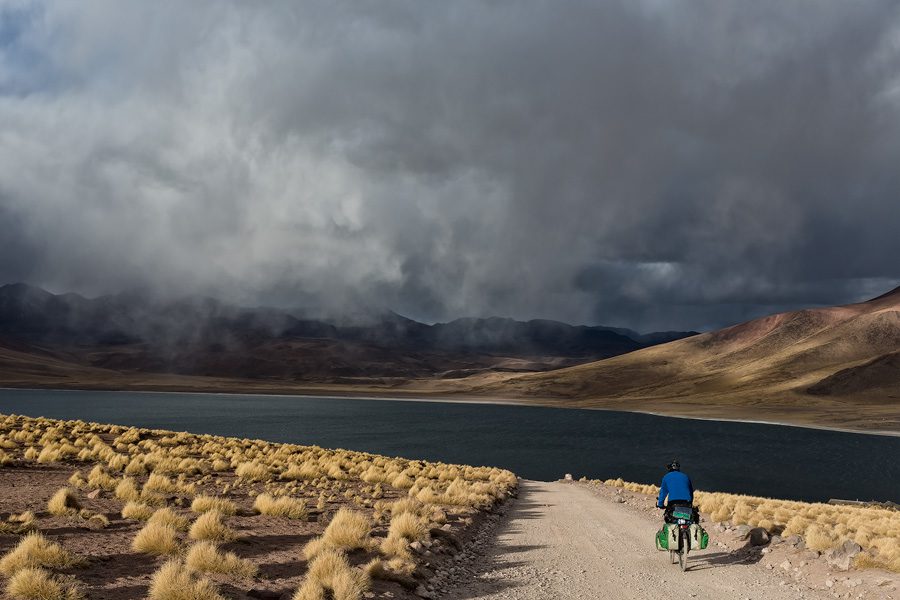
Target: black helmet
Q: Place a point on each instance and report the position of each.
(674, 465)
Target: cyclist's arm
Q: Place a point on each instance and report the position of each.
(663, 492)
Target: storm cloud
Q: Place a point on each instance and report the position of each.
(645, 163)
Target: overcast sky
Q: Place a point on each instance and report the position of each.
(653, 164)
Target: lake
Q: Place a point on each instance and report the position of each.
(534, 442)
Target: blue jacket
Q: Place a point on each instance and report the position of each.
(677, 486)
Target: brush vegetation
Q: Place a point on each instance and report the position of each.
(330, 575)
(209, 526)
(285, 506)
(348, 530)
(63, 503)
(202, 504)
(33, 551)
(156, 539)
(176, 581)
(37, 584)
(206, 557)
(367, 505)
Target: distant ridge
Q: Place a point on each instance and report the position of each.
(203, 336)
(790, 359)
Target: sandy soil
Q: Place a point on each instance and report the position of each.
(574, 541)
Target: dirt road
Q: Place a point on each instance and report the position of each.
(564, 540)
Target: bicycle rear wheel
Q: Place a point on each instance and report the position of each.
(682, 551)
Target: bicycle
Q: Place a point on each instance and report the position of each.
(678, 535)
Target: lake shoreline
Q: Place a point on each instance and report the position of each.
(408, 396)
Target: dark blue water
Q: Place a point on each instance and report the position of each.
(534, 442)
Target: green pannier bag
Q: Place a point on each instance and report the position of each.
(662, 539)
(667, 537)
(699, 538)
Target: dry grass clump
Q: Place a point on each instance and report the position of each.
(205, 557)
(156, 539)
(348, 530)
(127, 490)
(18, 524)
(175, 581)
(166, 516)
(253, 471)
(38, 584)
(330, 575)
(823, 526)
(203, 504)
(63, 503)
(302, 472)
(161, 484)
(98, 478)
(285, 506)
(409, 526)
(34, 550)
(97, 521)
(137, 510)
(209, 526)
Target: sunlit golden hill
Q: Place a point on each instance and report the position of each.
(835, 366)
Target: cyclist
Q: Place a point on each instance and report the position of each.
(677, 487)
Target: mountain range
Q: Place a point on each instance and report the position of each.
(836, 366)
(831, 366)
(205, 337)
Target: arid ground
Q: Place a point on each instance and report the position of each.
(41, 457)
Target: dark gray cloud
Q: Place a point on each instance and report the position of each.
(641, 163)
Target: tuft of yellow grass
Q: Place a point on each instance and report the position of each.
(285, 506)
(202, 504)
(97, 521)
(127, 490)
(408, 525)
(348, 530)
(175, 581)
(203, 556)
(63, 503)
(302, 472)
(37, 584)
(137, 510)
(209, 526)
(166, 516)
(330, 574)
(159, 483)
(156, 539)
(253, 471)
(98, 478)
(33, 551)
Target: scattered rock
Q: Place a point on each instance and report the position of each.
(786, 565)
(94, 494)
(568, 477)
(758, 536)
(842, 556)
